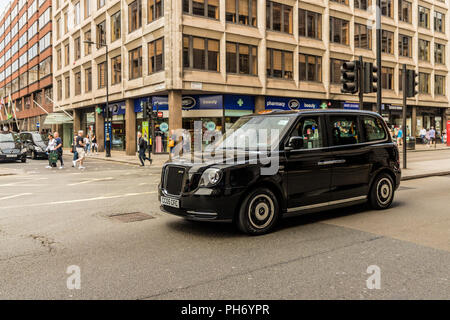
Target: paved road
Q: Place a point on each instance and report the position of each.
(52, 219)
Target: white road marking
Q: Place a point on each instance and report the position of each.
(91, 180)
(16, 196)
(79, 200)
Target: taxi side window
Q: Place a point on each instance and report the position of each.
(344, 130)
(309, 129)
(373, 128)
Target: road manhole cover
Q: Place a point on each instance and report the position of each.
(131, 216)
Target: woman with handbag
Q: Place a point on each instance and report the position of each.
(52, 155)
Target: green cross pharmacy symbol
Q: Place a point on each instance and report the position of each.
(240, 102)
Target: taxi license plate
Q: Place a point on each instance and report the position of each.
(175, 203)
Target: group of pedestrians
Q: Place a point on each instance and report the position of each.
(428, 136)
(54, 150)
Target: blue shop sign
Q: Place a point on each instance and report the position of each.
(118, 108)
(160, 103)
(291, 103)
(350, 105)
(139, 101)
(236, 102)
(202, 102)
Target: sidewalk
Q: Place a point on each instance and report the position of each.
(423, 147)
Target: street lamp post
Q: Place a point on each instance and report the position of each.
(108, 114)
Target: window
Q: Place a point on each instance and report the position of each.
(156, 56)
(387, 42)
(101, 34)
(76, 14)
(241, 11)
(23, 20)
(241, 58)
(22, 40)
(439, 24)
(33, 74)
(77, 43)
(344, 2)
(424, 50)
(59, 87)
(155, 10)
(400, 78)
(67, 87)
(309, 24)
(87, 46)
(335, 70)
(439, 53)
(363, 36)
(134, 15)
(87, 8)
(362, 4)
(309, 130)
(387, 8)
(23, 59)
(33, 52)
(58, 28)
(200, 53)
(205, 8)
(424, 82)
(58, 58)
(66, 55)
(88, 79)
(387, 78)
(65, 23)
(23, 80)
(279, 17)
(116, 70)
(424, 17)
(135, 58)
(45, 18)
(339, 30)
(15, 85)
(48, 92)
(100, 3)
(45, 67)
(78, 83)
(344, 130)
(280, 64)
(404, 11)
(439, 85)
(404, 45)
(101, 74)
(115, 26)
(373, 129)
(310, 68)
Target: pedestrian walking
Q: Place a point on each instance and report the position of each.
(51, 151)
(59, 149)
(432, 136)
(422, 134)
(400, 136)
(87, 145)
(94, 144)
(79, 143)
(74, 148)
(142, 147)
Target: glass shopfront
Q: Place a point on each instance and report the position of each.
(117, 129)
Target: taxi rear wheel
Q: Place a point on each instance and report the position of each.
(382, 192)
(259, 212)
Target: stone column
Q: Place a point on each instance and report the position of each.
(413, 120)
(130, 127)
(100, 131)
(260, 102)
(175, 110)
(76, 120)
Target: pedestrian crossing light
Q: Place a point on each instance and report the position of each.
(411, 83)
(349, 77)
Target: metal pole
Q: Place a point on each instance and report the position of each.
(109, 120)
(404, 131)
(378, 53)
(361, 83)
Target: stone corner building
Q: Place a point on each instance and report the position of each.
(215, 60)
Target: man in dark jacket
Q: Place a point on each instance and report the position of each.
(142, 146)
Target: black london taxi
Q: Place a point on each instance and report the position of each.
(321, 159)
(35, 143)
(11, 149)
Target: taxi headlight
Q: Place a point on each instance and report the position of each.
(210, 177)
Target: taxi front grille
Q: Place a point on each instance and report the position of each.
(173, 180)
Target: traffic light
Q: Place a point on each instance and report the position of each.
(349, 77)
(370, 77)
(147, 110)
(411, 83)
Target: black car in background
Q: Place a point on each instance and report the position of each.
(11, 149)
(35, 143)
(324, 159)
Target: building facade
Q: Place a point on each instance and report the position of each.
(26, 64)
(215, 60)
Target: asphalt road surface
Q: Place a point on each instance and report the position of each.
(53, 219)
